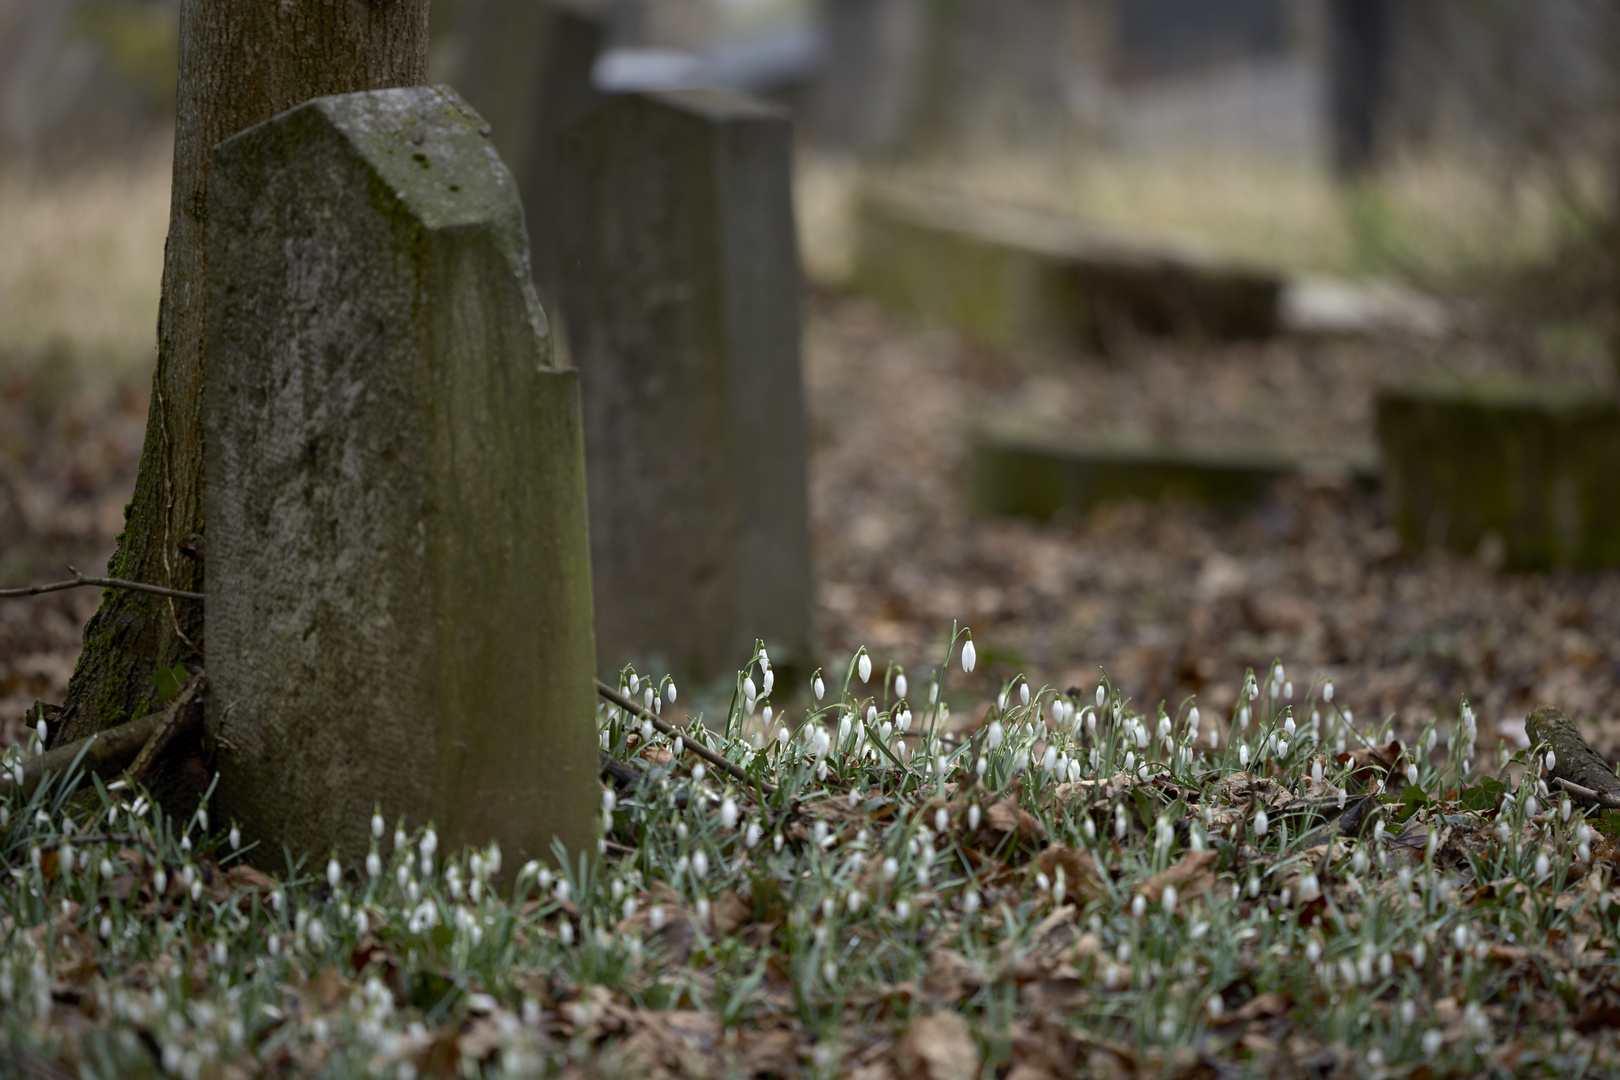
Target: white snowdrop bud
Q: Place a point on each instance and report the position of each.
(1168, 901)
(1288, 690)
(1327, 691)
(751, 835)
(1102, 694)
(993, 738)
(373, 864)
(1214, 738)
(844, 724)
(891, 868)
(1552, 761)
(885, 732)
(647, 697)
(700, 863)
(1358, 862)
(1313, 950)
(1309, 889)
(942, 820)
(1243, 755)
(635, 682)
(863, 667)
(1261, 822)
(647, 730)
(749, 691)
(669, 692)
(1023, 692)
(1121, 827)
(334, 872)
(969, 655)
(1531, 806)
(900, 685)
(1254, 886)
(1130, 761)
(767, 679)
(903, 721)
(1583, 852)
(1412, 773)
(1138, 906)
(1001, 701)
(728, 813)
(699, 771)
(562, 891)
(766, 715)
(1378, 830)
(1282, 748)
(871, 714)
(819, 687)
(1543, 865)
(1583, 833)
(1049, 759)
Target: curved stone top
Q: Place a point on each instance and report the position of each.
(428, 147)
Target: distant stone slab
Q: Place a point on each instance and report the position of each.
(1022, 470)
(1537, 467)
(681, 299)
(398, 590)
(1005, 276)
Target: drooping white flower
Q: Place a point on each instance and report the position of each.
(900, 685)
(728, 813)
(1261, 822)
(669, 692)
(994, 736)
(819, 687)
(969, 655)
(1102, 694)
(1138, 906)
(863, 667)
(767, 680)
(1023, 692)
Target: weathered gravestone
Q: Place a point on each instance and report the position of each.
(1006, 275)
(1537, 467)
(398, 591)
(1035, 471)
(681, 293)
(527, 68)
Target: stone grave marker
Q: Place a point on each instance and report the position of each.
(398, 593)
(1034, 471)
(1532, 468)
(1007, 276)
(681, 292)
(527, 68)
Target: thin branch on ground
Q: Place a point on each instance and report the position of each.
(1602, 798)
(81, 581)
(607, 693)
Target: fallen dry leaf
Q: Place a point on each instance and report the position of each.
(1189, 874)
(941, 1045)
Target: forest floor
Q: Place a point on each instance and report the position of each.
(1169, 600)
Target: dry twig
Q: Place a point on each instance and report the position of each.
(609, 694)
(80, 581)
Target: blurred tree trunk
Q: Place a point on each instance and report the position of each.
(241, 62)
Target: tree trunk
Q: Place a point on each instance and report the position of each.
(241, 62)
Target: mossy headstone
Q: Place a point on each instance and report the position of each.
(681, 293)
(1006, 276)
(1532, 467)
(398, 585)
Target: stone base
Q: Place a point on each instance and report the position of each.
(1041, 475)
(1005, 276)
(1536, 467)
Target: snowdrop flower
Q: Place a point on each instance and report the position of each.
(767, 680)
(1023, 692)
(993, 738)
(1378, 830)
(373, 864)
(970, 656)
(334, 872)
(751, 835)
(902, 910)
(699, 771)
(728, 813)
(1102, 694)
(749, 691)
(942, 820)
(1138, 906)
(1049, 760)
(1130, 761)
(1412, 773)
(863, 667)
(970, 901)
(973, 817)
(1168, 901)
(844, 724)
(1531, 807)
(1309, 889)
(1261, 822)
(1243, 755)
(819, 687)
(700, 864)
(900, 684)
(1543, 865)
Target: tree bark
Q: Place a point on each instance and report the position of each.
(241, 62)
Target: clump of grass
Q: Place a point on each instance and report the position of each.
(1072, 884)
